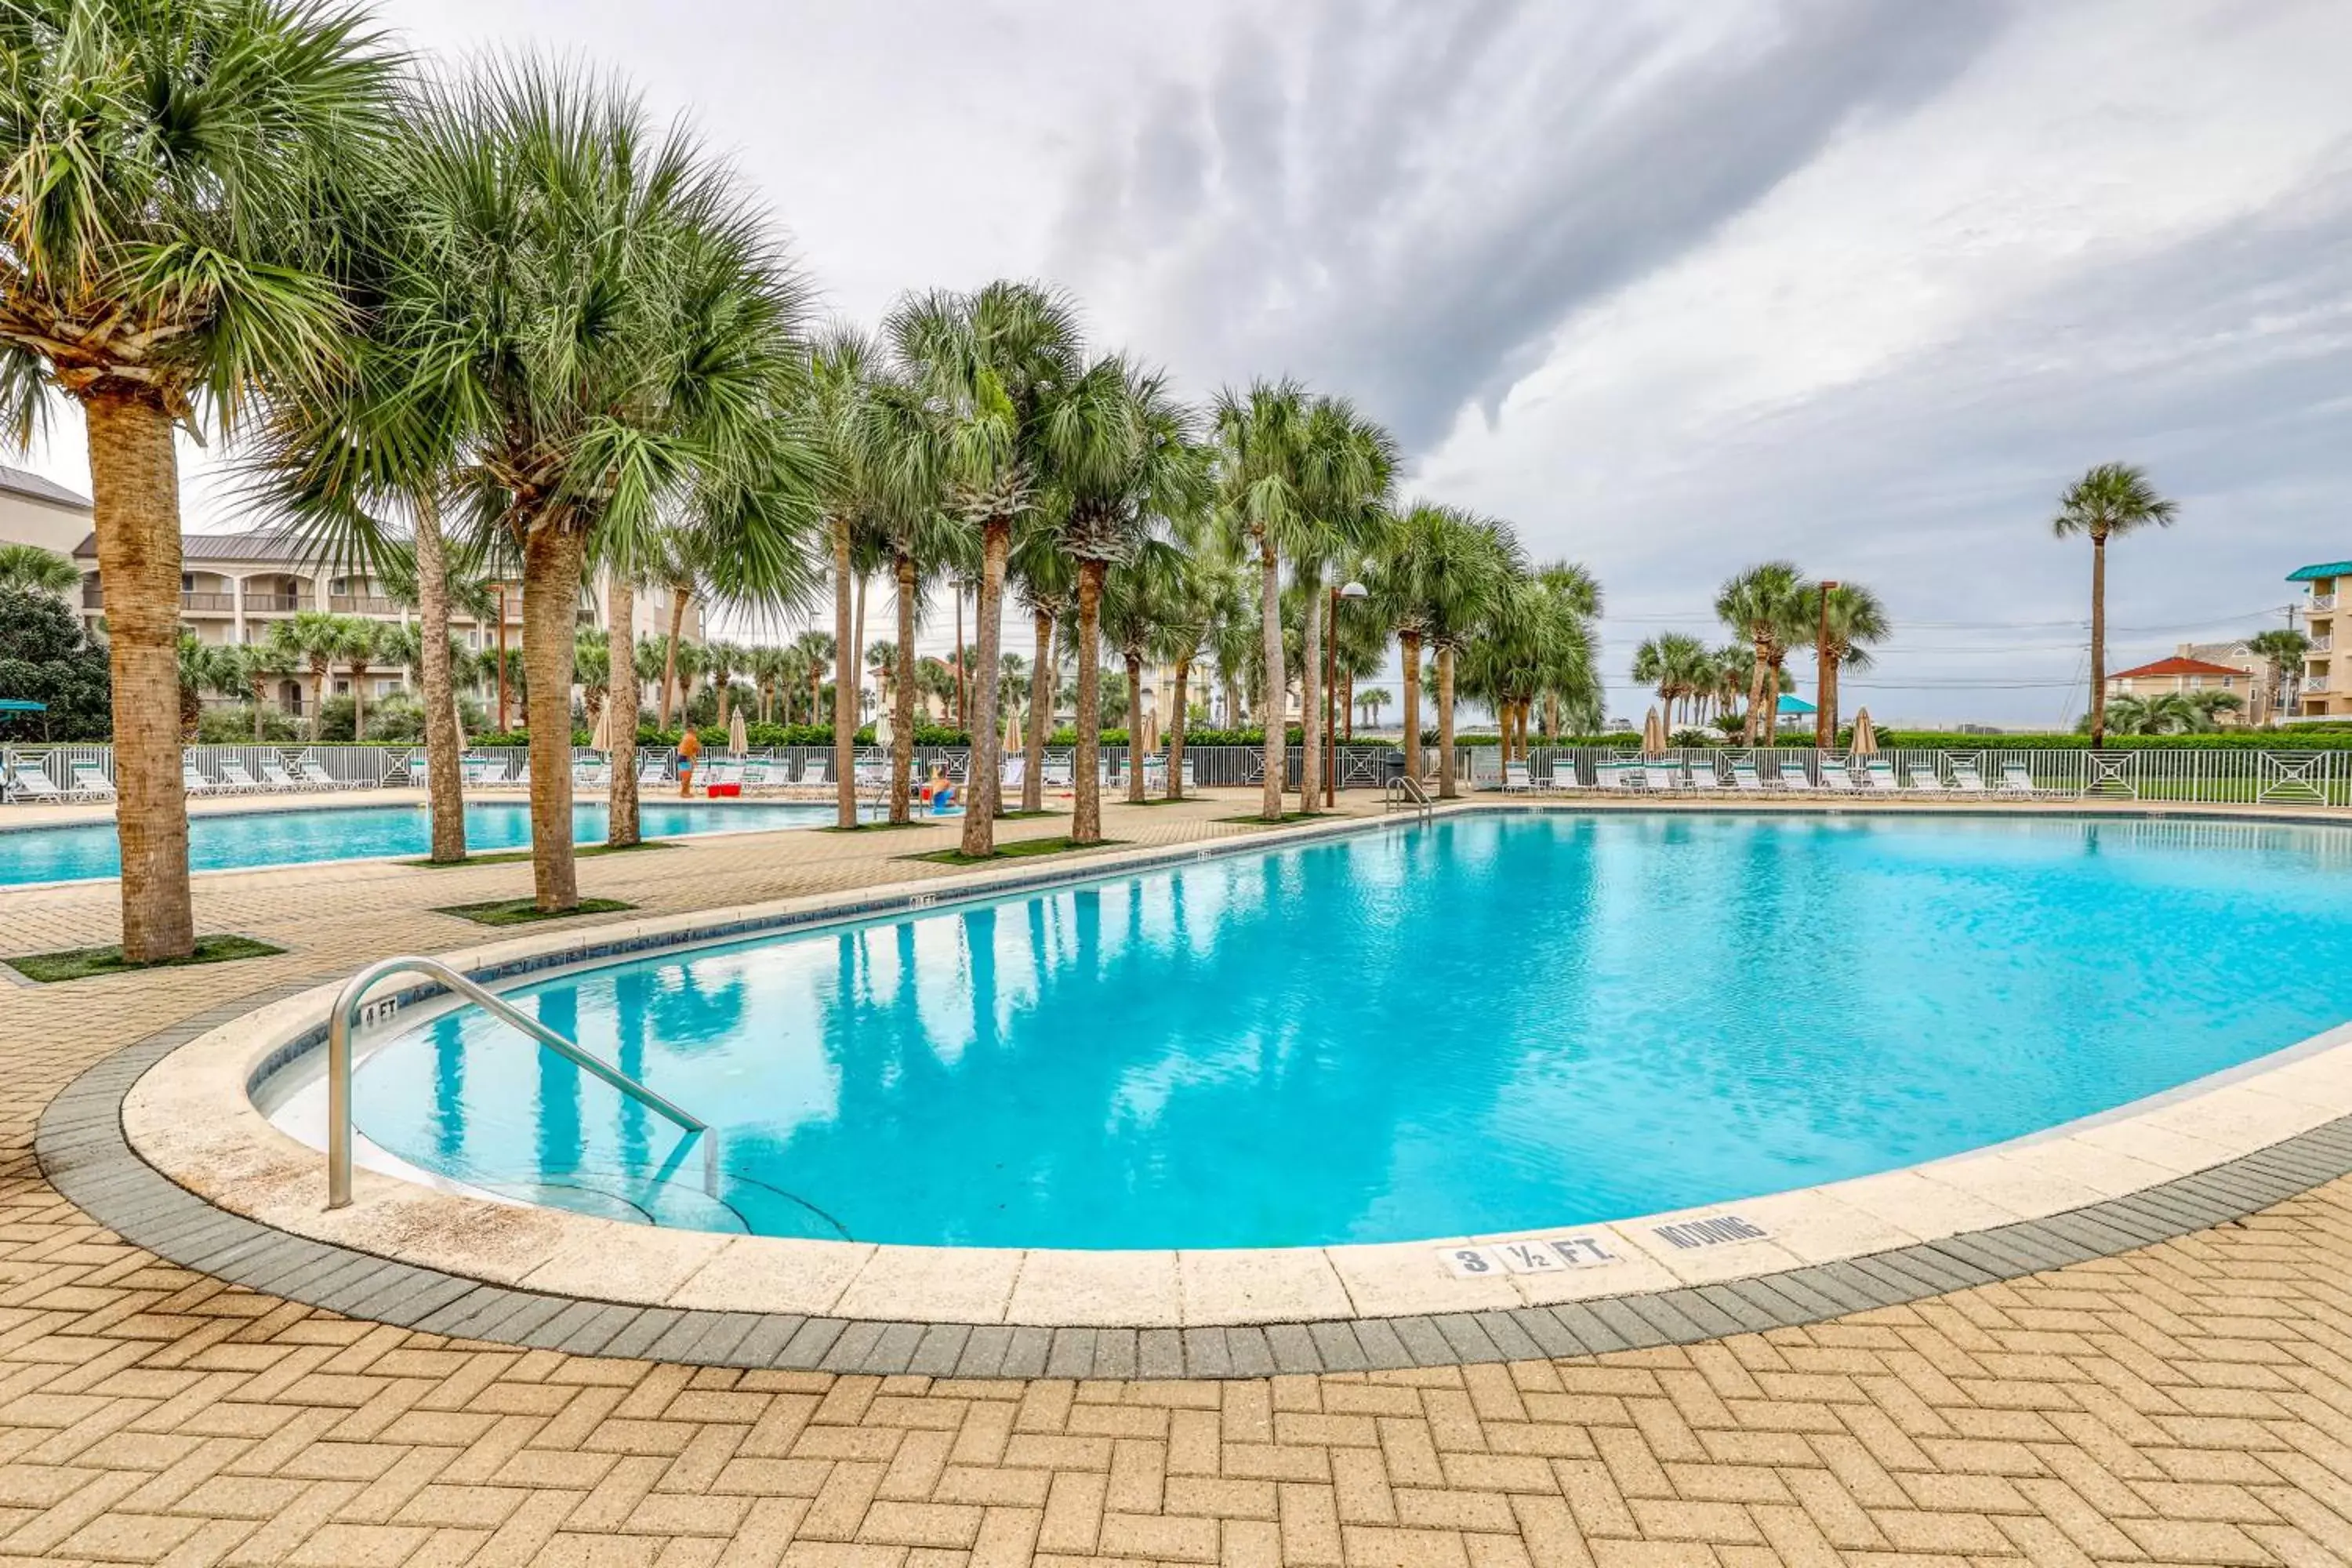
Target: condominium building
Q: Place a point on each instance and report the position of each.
(35, 511)
(2322, 695)
(2186, 672)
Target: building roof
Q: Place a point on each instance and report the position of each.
(32, 486)
(269, 545)
(2326, 569)
(2177, 665)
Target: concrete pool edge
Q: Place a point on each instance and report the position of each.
(2122, 1180)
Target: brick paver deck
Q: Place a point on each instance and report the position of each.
(2189, 1403)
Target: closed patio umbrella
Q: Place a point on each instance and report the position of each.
(737, 742)
(602, 739)
(1865, 734)
(1653, 735)
(882, 728)
(1151, 724)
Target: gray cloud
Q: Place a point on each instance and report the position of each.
(1410, 208)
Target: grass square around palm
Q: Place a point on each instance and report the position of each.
(86, 962)
(526, 911)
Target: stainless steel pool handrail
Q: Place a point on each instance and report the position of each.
(339, 1066)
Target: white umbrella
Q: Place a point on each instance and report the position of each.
(737, 742)
(602, 741)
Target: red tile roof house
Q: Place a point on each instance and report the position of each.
(2180, 673)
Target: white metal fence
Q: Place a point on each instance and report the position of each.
(2234, 774)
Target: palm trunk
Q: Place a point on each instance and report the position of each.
(1310, 696)
(963, 716)
(857, 652)
(987, 746)
(1772, 699)
(669, 665)
(1041, 713)
(1445, 788)
(135, 490)
(1135, 795)
(726, 693)
(1176, 734)
(844, 685)
(550, 564)
(1086, 814)
(1410, 644)
(359, 703)
(1829, 695)
(902, 714)
(1270, 629)
(622, 698)
(1348, 709)
(1756, 698)
(2098, 640)
(259, 687)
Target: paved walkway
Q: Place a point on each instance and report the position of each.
(2190, 1403)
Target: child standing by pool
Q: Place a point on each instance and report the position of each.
(689, 746)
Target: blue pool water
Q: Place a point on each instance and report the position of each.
(1484, 1024)
(220, 842)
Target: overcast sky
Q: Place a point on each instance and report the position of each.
(1673, 288)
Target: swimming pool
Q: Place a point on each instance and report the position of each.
(1484, 1024)
(229, 840)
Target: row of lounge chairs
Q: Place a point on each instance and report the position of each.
(305, 775)
(28, 782)
(1856, 776)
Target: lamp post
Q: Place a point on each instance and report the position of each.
(1821, 735)
(1354, 590)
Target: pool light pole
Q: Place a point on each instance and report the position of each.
(1354, 590)
(1821, 736)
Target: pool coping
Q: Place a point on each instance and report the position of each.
(538, 1277)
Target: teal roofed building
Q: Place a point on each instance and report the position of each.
(2321, 694)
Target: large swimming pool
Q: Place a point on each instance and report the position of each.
(1484, 1024)
(226, 841)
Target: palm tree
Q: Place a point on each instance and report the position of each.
(1260, 504)
(36, 569)
(1442, 573)
(2283, 650)
(1119, 447)
(1856, 619)
(1677, 665)
(171, 179)
(2169, 712)
(1766, 605)
(989, 366)
(608, 307)
(815, 650)
(311, 640)
(591, 670)
(1371, 699)
(1349, 462)
(1044, 578)
(361, 642)
(2110, 500)
(256, 665)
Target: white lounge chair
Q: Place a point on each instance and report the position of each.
(1880, 774)
(1059, 774)
(1619, 777)
(486, 775)
(90, 782)
(1790, 776)
(1703, 779)
(33, 783)
(759, 774)
(1516, 779)
(192, 779)
(1922, 777)
(236, 780)
(313, 773)
(2015, 780)
(1966, 780)
(1745, 779)
(1838, 778)
(652, 771)
(1013, 771)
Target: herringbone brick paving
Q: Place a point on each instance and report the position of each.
(2190, 1403)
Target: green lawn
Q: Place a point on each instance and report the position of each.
(515, 856)
(1015, 849)
(524, 911)
(82, 962)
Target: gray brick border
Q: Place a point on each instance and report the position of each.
(83, 1153)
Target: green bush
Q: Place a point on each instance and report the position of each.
(2292, 740)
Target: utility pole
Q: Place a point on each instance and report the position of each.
(1822, 737)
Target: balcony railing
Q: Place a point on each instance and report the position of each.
(2318, 683)
(2321, 602)
(362, 604)
(2320, 645)
(208, 603)
(276, 603)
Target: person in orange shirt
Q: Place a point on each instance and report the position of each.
(689, 746)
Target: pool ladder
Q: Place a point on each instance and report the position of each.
(353, 996)
(1404, 793)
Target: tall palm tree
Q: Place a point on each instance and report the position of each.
(359, 647)
(1677, 665)
(989, 365)
(815, 649)
(311, 640)
(1263, 511)
(591, 670)
(2109, 501)
(1045, 579)
(1348, 462)
(30, 567)
(1371, 699)
(257, 665)
(842, 372)
(625, 335)
(1856, 619)
(1764, 604)
(170, 170)
(1442, 573)
(1120, 447)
